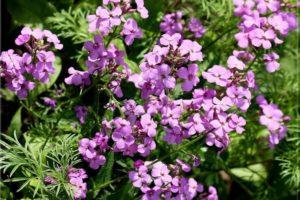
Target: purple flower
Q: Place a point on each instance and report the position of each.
(190, 77)
(220, 125)
(87, 148)
(140, 176)
(22, 39)
(218, 74)
(44, 66)
(76, 179)
(122, 138)
(196, 125)
(211, 195)
(96, 49)
(237, 123)
(234, 62)
(191, 49)
(160, 173)
(50, 102)
(131, 31)
(184, 166)
(141, 9)
(172, 23)
(78, 78)
(145, 148)
(170, 40)
(240, 96)
(48, 180)
(81, 113)
(148, 125)
(271, 62)
(167, 80)
(104, 20)
(196, 27)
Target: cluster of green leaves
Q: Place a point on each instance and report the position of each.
(30, 163)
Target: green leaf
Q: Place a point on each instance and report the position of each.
(44, 87)
(33, 11)
(132, 65)
(7, 94)
(125, 192)
(119, 44)
(254, 173)
(104, 175)
(16, 123)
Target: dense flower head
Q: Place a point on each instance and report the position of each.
(264, 25)
(101, 60)
(76, 179)
(172, 23)
(22, 71)
(157, 180)
(93, 150)
(273, 118)
(172, 58)
(106, 18)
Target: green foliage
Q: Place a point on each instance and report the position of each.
(33, 11)
(70, 24)
(30, 163)
(16, 123)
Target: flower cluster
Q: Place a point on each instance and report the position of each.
(105, 61)
(174, 57)
(76, 179)
(173, 23)
(157, 180)
(106, 19)
(264, 24)
(92, 150)
(273, 118)
(22, 72)
(129, 136)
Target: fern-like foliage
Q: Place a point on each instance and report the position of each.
(70, 24)
(30, 164)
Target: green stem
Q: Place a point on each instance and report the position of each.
(196, 139)
(205, 48)
(111, 95)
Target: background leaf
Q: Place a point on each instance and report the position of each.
(16, 123)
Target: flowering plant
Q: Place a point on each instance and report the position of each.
(150, 102)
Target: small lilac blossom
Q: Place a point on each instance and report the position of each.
(76, 179)
(234, 62)
(190, 77)
(172, 23)
(50, 102)
(196, 27)
(78, 78)
(160, 172)
(142, 9)
(237, 123)
(149, 126)
(191, 49)
(271, 62)
(218, 74)
(131, 31)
